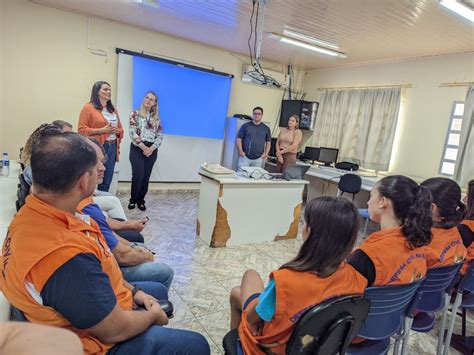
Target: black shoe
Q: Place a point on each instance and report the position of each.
(141, 206)
(131, 205)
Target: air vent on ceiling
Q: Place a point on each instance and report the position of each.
(150, 3)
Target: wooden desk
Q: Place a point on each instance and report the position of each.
(323, 182)
(239, 210)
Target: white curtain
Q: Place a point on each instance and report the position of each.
(360, 123)
(464, 168)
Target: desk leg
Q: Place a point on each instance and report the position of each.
(293, 230)
(221, 232)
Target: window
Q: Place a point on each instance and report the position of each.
(451, 144)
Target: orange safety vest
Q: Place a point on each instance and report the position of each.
(446, 248)
(470, 249)
(84, 203)
(297, 292)
(40, 240)
(395, 263)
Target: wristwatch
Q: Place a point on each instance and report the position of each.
(135, 289)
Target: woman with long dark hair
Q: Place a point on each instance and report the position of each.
(266, 316)
(395, 254)
(287, 143)
(446, 246)
(145, 133)
(466, 227)
(100, 119)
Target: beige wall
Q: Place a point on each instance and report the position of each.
(421, 132)
(2, 31)
(50, 71)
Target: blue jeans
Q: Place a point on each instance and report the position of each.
(151, 271)
(154, 289)
(161, 340)
(111, 153)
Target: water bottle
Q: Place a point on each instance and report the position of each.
(6, 165)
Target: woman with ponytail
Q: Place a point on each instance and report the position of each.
(446, 247)
(395, 254)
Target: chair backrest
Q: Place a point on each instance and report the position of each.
(432, 291)
(467, 282)
(329, 327)
(23, 184)
(389, 305)
(23, 191)
(350, 183)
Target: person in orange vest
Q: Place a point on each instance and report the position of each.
(57, 269)
(266, 316)
(395, 254)
(446, 247)
(466, 227)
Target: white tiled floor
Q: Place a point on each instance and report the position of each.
(204, 275)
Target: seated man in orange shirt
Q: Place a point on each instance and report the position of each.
(57, 269)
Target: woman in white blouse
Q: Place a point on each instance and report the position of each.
(146, 135)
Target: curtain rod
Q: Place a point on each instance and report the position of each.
(402, 86)
(456, 84)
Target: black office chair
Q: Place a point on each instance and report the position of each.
(350, 183)
(327, 328)
(22, 192)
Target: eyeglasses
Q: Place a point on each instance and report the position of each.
(257, 113)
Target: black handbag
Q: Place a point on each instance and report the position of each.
(347, 165)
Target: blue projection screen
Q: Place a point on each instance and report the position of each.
(192, 103)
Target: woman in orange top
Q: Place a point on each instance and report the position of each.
(287, 143)
(395, 254)
(446, 247)
(466, 227)
(100, 119)
(266, 316)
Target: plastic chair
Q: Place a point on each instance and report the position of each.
(350, 183)
(388, 316)
(465, 300)
(364, 213)
(435, 293)
(327, 328)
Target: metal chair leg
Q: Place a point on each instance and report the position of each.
(452, 320)
(439, 349)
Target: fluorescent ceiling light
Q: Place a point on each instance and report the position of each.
(309, 46)
(458, 8)
(150, 3)
(309, 39)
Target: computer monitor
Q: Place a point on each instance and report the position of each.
(273, 148)
(311, 153)
(295, 172)
(328, 155)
